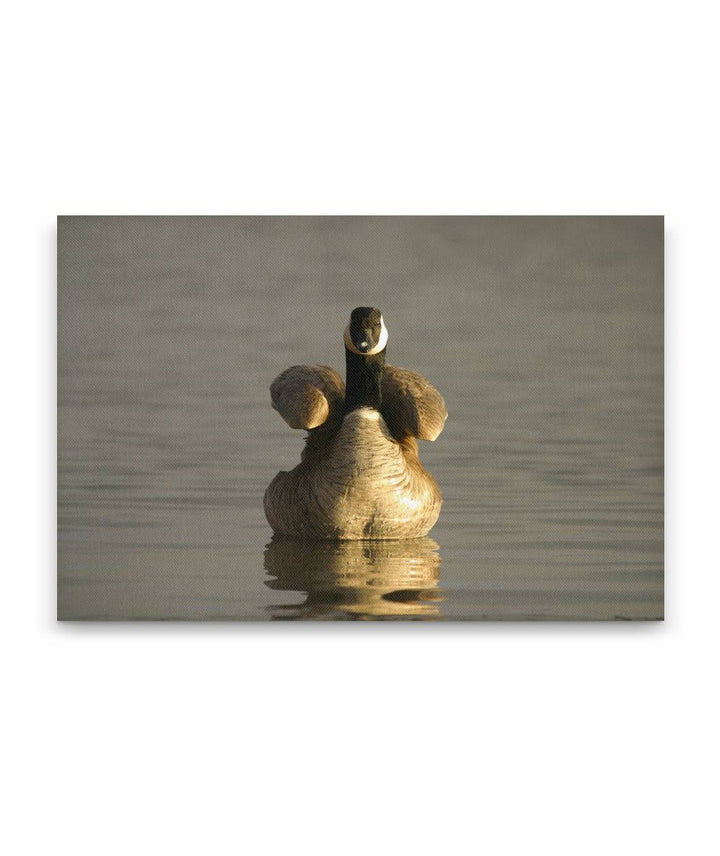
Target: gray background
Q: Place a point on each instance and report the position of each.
(543, 334)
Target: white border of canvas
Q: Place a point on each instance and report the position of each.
(558, 739)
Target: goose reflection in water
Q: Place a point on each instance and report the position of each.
(355, 579)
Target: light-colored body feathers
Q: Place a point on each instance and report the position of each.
(360, 475)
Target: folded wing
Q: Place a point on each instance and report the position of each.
(308, 396)
(411, 405)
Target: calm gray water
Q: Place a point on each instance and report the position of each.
(544, 335)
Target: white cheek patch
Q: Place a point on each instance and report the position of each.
(382, 341)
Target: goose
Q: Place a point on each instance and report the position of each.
(360, 475)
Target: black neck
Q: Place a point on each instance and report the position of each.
(363, 379)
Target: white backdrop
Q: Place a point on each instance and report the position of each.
(352, 739)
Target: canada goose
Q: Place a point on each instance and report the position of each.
(359, 474)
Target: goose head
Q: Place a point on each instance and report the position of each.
(366, 334)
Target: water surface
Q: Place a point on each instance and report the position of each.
(543, 334)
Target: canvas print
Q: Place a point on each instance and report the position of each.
(348, 418)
